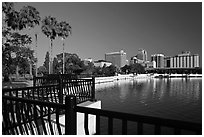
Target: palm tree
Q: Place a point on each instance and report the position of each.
(49, 28)
(64, 30)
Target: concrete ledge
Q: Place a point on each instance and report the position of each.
(92, 118)
(80, 119)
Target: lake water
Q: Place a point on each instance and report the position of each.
(174, 98)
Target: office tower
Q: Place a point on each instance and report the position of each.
(158, 59)
(117, 58)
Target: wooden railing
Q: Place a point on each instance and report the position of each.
(26, 116)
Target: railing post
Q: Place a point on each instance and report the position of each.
(70, 116)
(93, 89)
(34, 81)
(60, 94)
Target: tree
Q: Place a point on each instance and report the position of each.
(72, 63)
(16, 44)
(88, 69)
(49, 28)
(56, 66)
(137, 68)
(64, 30)
(97, 71)
(111, 70)
(13, 41)
(126, 69)
(27, 17)
(42, 70)
(46, 63)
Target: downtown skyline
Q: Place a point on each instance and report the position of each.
(99, 28)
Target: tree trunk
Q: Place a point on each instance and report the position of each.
(63, 63)
(50, 58)
(36, 40)
(17, 74)
(30, 69)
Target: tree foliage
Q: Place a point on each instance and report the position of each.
(42, 70)
(28, 16)
(49, 27)
(56, 66)
(126, 69)
(137, 68)
(13, 41)
(133, 68)
(63, 29)
(46, 63)
(73, 64)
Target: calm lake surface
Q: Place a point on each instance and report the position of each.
(174, 98)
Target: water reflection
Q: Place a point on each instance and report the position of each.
(177, 98)
(177, 87)
(185, 88)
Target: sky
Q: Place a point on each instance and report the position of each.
(99, 28)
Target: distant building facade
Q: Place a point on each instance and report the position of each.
(184, 60)
(158, 59)
(142, 55)
(101, 63)
(167, 61)
(150, 64)
(87, 61)
(118, 59)
(146, 64)
(134, 60)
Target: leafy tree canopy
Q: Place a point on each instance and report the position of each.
(13, 41)
(63, 29)
(49, 27)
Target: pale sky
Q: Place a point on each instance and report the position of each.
(99, 28)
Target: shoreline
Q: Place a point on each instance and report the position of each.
(99, 80)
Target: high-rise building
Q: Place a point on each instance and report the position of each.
(142, 54)
(185, 60)
(117, 58)
(158, 59)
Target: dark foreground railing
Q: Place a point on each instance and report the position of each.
(31, 117)
(177, 125)
(25, 116)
